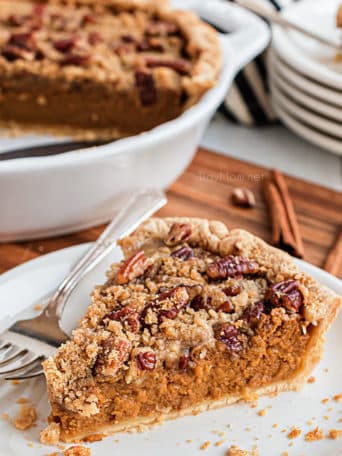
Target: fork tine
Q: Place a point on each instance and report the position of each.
(11, 354)
(34, 369)
(21, 363)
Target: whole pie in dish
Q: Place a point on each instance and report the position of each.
(102, 69)
(195, 317)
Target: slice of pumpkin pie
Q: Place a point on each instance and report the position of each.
(195, 317)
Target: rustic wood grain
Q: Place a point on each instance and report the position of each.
(204, 191)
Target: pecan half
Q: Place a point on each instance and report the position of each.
(228, 334)
(178, 233)
(242, 197)
(183, 253)
(251, 315)
(132, 268)
(161, 28)
(146, 86)
(114, 353)
(231, 266)
(146, 360)
(127, 316)
(285, 294)
(179, 65)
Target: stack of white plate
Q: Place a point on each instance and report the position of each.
(306, 77)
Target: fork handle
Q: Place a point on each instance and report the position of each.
(139, 207)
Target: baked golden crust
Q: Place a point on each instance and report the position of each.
(135, 335)
(139, 55)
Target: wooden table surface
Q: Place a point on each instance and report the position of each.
(204, 191)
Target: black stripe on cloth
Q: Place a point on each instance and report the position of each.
(250, 99)
(228, 113)
(275, 4)
(260, 63)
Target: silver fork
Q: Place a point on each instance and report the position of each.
(27, 343)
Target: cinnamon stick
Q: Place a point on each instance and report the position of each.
(333, 262)
(292, 219)
(285, 229)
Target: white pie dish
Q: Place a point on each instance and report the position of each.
(47, 196)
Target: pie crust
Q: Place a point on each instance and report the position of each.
(193, 304)
(101, 70)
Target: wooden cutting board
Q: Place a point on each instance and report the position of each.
(204, 191)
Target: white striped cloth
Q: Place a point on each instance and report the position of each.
(247, 101)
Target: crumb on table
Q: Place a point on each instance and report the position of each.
(294, 433)
(205, 445)
(262, 412)
(314, 435)
(311, 380)
(334, 433)
(337, 397)
(236, 451)
(77, 450)
(26, 417)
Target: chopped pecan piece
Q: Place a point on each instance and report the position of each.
(16, 20)
(226, 307)
(179, 65)
(132, 268)
(89, 18)
(285, 294)
(228, 334)
(12, 53)
(114, 353)
(94, 38)
(127, 316)
(172, 302)
(66, 44)
(183, 361)
(161, 28)
(233, 290)
(251, 315)
(199, 303)
(146, 360)
(183, 253)
(23, 40)
(231, 266)
(146, 86)
(76, 59)
(178, 233)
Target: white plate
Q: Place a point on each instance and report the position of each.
(307, 55)
(301, 113)
(303, 83)
(23, 286)
(307, 132)
(320, 107)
